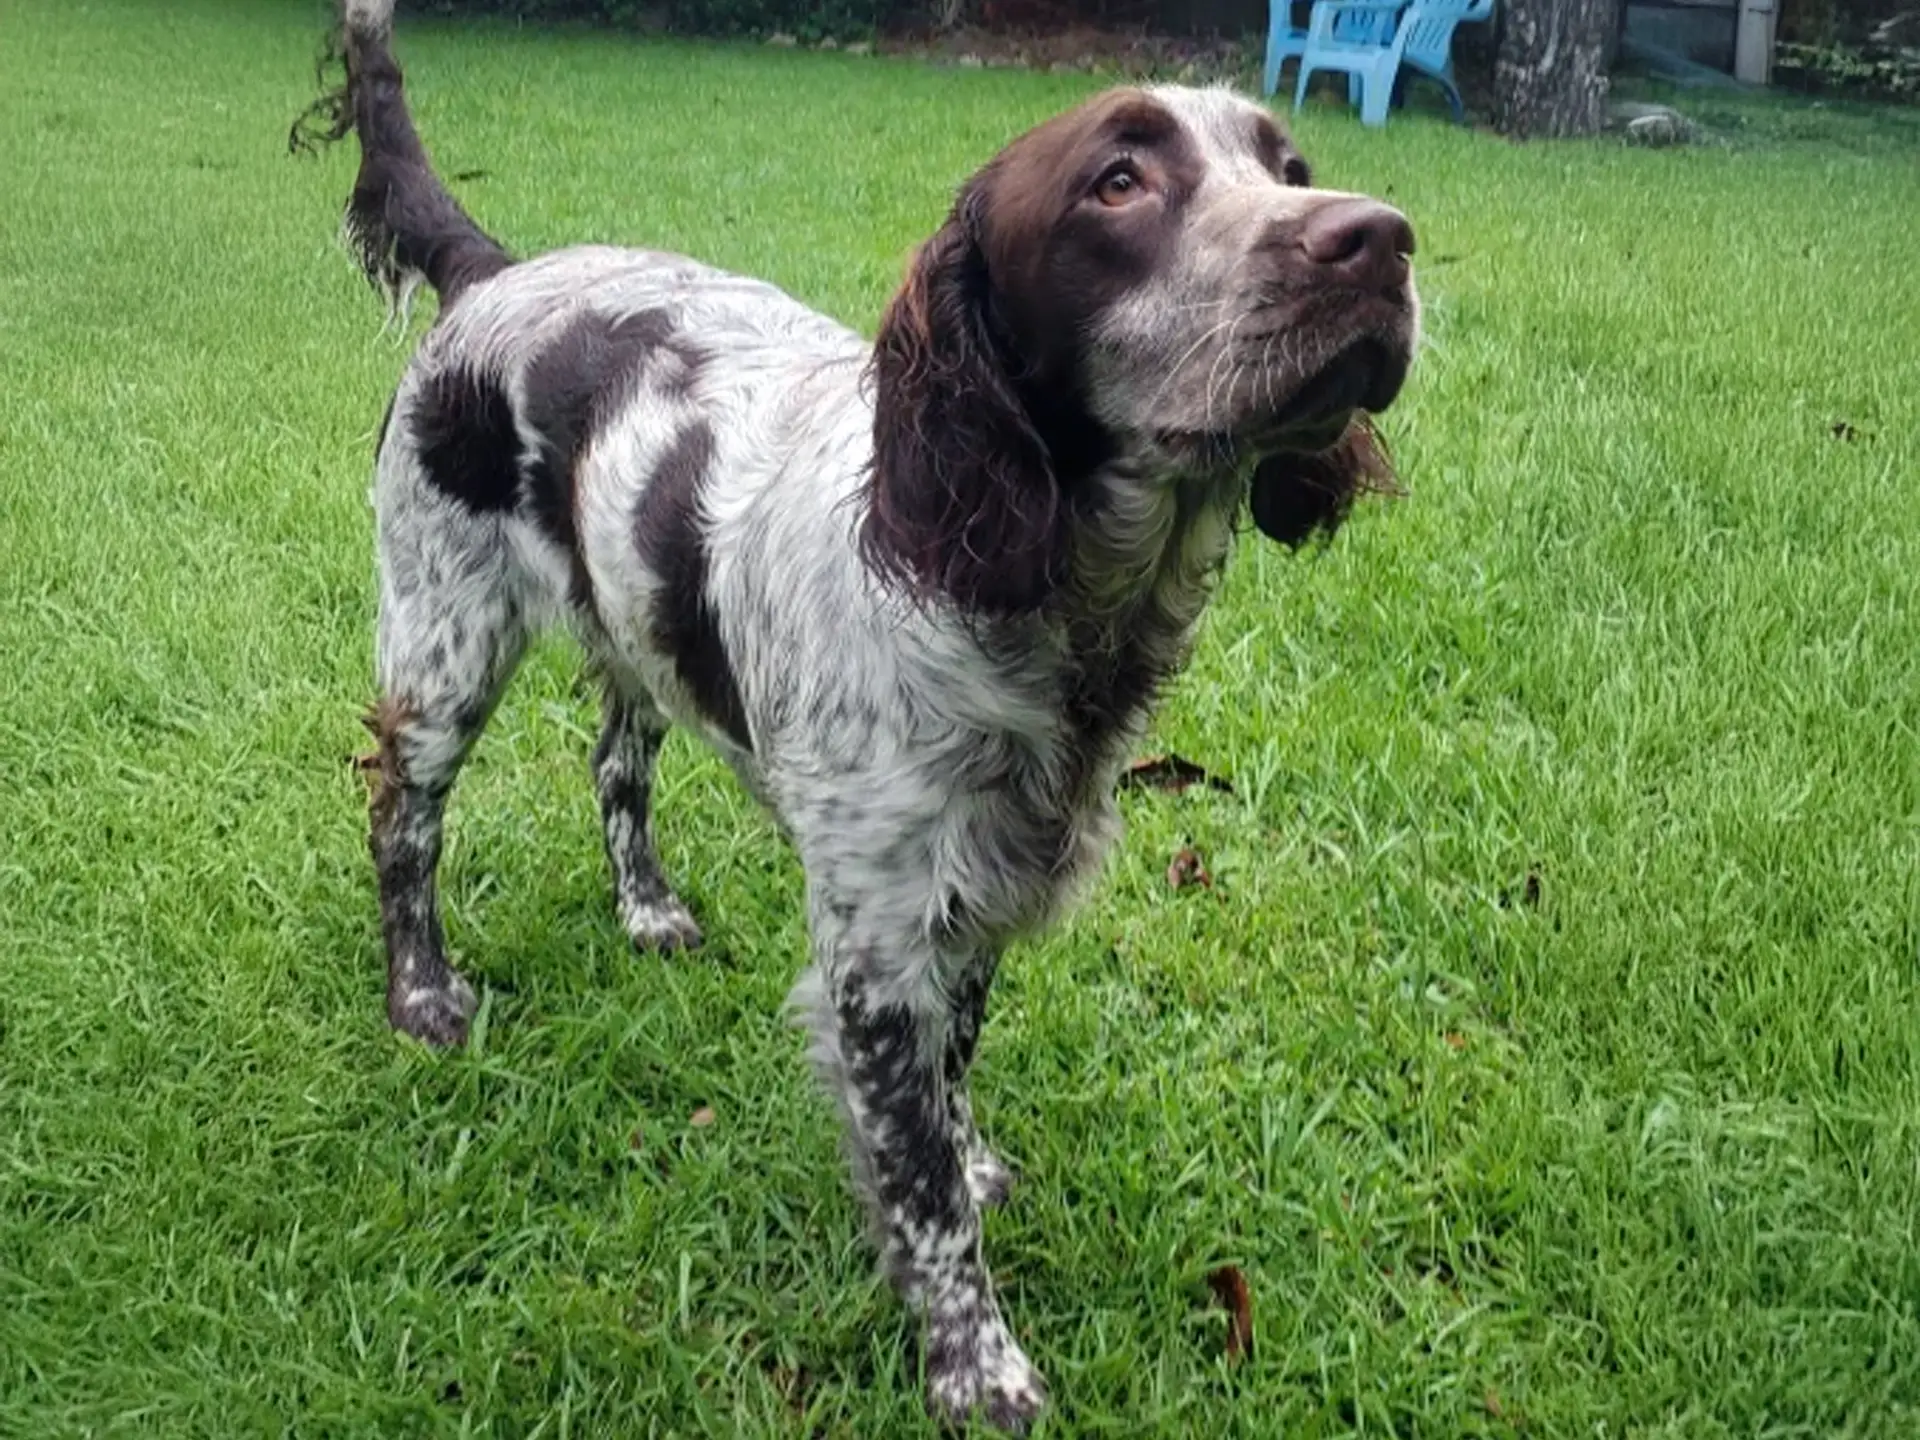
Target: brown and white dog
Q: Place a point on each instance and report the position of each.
(920, 594)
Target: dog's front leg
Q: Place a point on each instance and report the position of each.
(987, 1175)
(884, 1030)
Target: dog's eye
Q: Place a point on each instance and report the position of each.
(1119, 186)
(1296, 172)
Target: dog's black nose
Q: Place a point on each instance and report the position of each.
(1363, 242)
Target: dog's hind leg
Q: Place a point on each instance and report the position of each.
(451, 632)
(631, 732)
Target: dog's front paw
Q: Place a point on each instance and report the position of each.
(661, 925)
(988, 1179)
(436, 1014)
(982, 1373)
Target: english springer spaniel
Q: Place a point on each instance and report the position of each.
(920, 594)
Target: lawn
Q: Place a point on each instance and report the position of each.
(1545, 1051)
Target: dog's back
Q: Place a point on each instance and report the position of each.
(619, 422)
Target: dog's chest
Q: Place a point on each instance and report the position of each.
(1019, 845)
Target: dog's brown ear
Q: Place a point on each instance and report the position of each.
(963, 501)
(1295, 497)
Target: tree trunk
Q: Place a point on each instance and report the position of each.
(1549, 77)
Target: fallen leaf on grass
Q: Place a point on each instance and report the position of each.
(1529, 892)
(1172, 773)
(701, 1118)
(1230, 1289)
(1187, 869)
(1455, 1039)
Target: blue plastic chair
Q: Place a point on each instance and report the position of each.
(1287, 41)
(1430, 51)
(1372, 40)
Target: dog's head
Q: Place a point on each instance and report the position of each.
(1149, 279)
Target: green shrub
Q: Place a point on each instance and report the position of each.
(1871, 70)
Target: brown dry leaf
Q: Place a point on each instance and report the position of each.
(637, 1139)
(1187, 869)
(1172, 773)
(701, 1118)
(1494, 1407)
(1230, 1289)
(1455, 1039)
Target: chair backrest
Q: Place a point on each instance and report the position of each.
(1426, 26)
(1362, 27)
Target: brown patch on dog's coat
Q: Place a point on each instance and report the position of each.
(386, 719)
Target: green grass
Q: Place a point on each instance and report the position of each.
(1545, 1052)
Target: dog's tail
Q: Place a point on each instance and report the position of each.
(401, 224)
